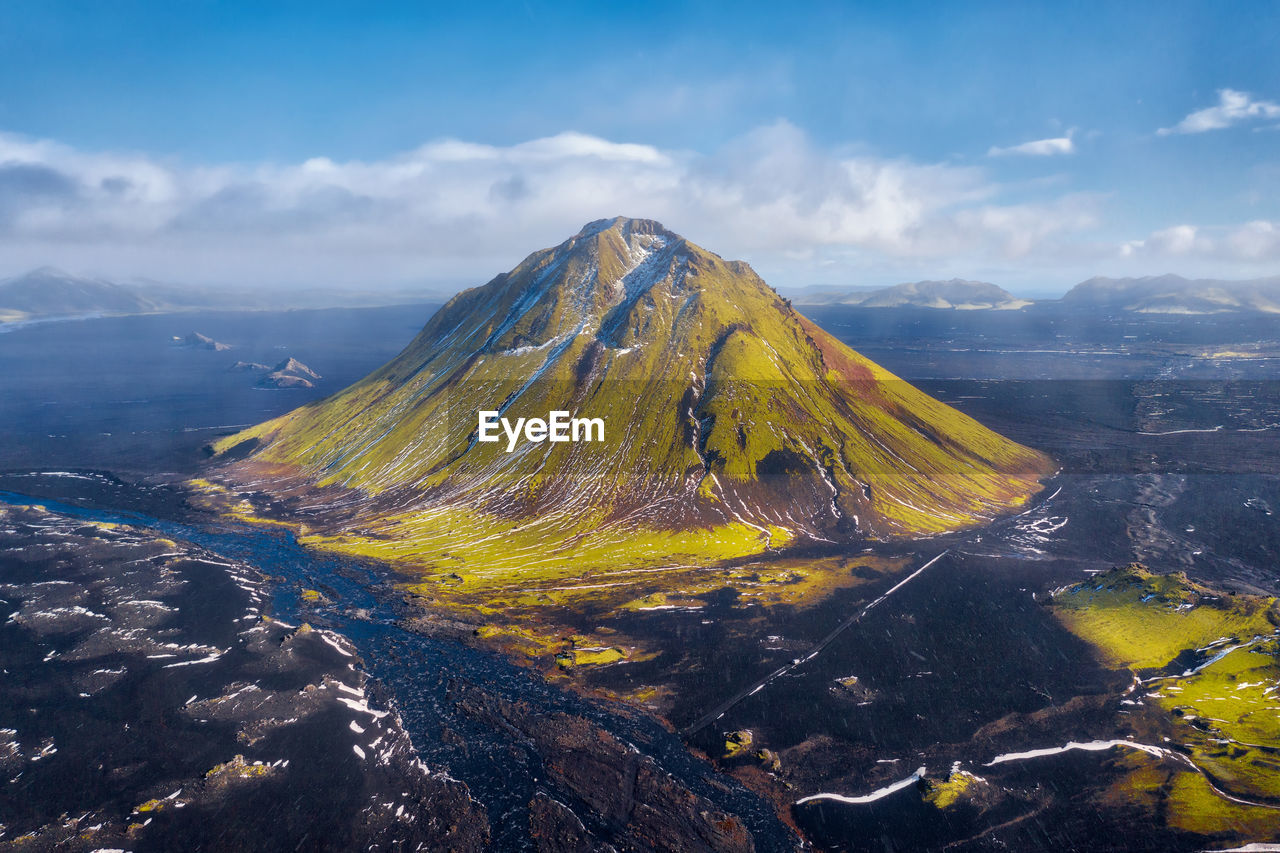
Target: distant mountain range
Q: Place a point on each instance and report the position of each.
(1164, 294)
(49, 292)
(1173, 294)
(956, 294)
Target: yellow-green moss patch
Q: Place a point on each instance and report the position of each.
(1144, 620)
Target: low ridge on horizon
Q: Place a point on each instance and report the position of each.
(49, 291)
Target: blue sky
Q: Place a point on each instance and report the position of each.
(1028, 144)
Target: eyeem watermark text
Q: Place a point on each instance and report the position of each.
(558, 426)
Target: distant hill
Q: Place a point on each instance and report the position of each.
(292, 365)
(50, 292)
(1173, 294)
(956, 294)
(199, 341)
(823, 294)
(290, 373)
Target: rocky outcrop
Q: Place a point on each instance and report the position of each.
(199, 341)
(290, 373)
(605, 794)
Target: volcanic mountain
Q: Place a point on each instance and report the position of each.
(732, 425)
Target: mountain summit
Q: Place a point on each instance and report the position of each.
(732, 424)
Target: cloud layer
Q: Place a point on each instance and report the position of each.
(1256, 241)
(1037, 148)
(454, 213)
(1232, 108)
(458, 209)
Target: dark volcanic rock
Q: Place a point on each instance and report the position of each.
(609, 794)
(147, 704)
(555, 827)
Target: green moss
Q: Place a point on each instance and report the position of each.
(1144, 620)
(590, 657)
(642, 695)
(769, 760)
(1194, 806)
(1223, 712)
(738, 743)
(648, 602)
(1230, 721)
(237, 769)
(536, 552)
(945, 794)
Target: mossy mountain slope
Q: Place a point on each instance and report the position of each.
(732, 423)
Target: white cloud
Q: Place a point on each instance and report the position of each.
(1233, 107)
(1256, 242)
(1178, 240)
(1037, 148)
(460, 211)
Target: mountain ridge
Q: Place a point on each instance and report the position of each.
(1174, 294)
(49, 291)
(953, 294)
